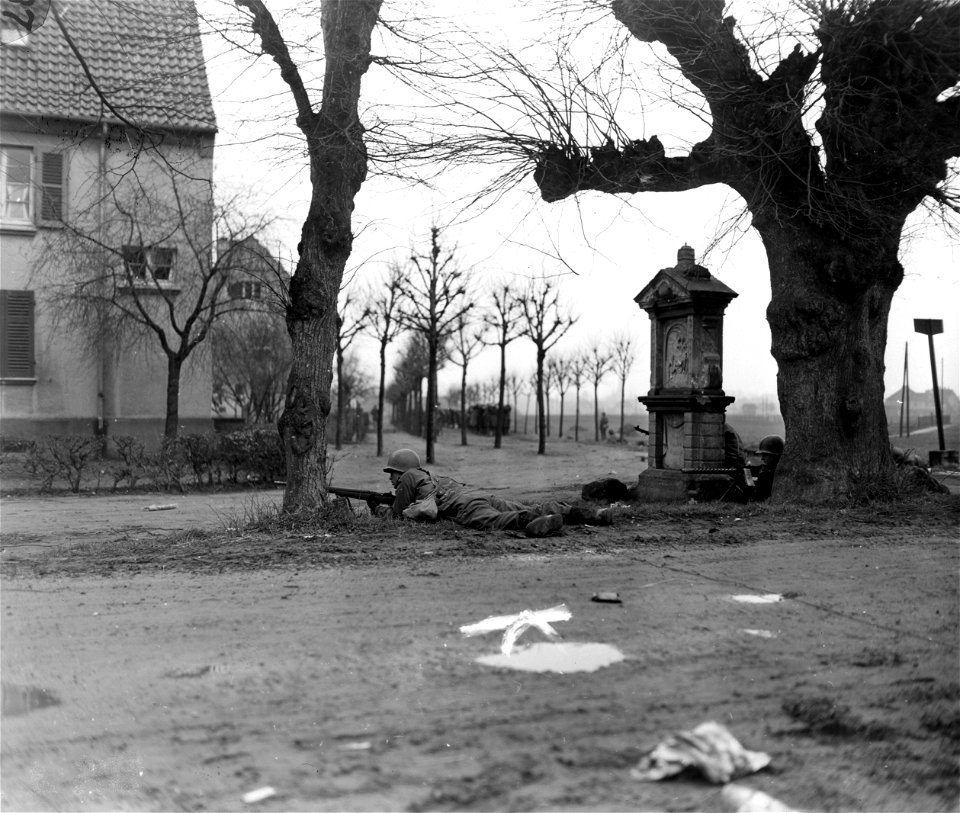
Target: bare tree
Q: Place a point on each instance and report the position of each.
(434, 298)
(504, 317)
(338, 165)
(515, 384)
(382, 306)
(546, 321)
(531, 387)
(598, 363)
(831, 143)
(351, 321)
(578, 371)
(144, 270)
(623, 353)
(560, 373)
(466, 343)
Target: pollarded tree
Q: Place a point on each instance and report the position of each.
(505, 317)
(382, 306)
(560, 373)
(434, 298)
(465, 344)
(878, 81)
(623, 351)
(546, 321)
(598, 364)
(578, 371)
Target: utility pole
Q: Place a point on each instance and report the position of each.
(905, 390)
(930, 327)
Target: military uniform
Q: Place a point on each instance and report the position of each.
(474, 507)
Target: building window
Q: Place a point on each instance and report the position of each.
(16, 353)
(16, 169)
(25, 181)
(246, 290)
(149, 263)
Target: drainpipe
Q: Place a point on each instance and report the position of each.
(102, 366)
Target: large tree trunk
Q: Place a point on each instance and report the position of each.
(338, 167)
(171, 423)
(828, 319)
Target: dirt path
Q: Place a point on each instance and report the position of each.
(329, 666)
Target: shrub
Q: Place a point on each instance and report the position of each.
(65, 456)
(200, 452)
(132, 463)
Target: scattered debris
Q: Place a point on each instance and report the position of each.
(258, 795)
(741, 799)
(363, 745)
(165, 507)
(607, 598)
(561, 658)
(766, 598)
(515, 625)
(709, 748)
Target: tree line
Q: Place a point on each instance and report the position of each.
(831, 143)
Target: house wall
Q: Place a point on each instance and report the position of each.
(115, 385)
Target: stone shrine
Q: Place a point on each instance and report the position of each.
(686, 401)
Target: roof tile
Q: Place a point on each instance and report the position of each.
(145, 57)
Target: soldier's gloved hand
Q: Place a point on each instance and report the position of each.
(381, 510)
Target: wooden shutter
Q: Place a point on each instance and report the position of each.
(16, 353)
(51, 187)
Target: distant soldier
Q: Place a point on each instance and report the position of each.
(417, 490)
(759, 484)
(604, 423)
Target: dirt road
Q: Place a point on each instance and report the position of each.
(329, 666)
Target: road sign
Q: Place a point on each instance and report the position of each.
(928, 327)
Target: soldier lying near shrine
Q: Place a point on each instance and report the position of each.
(423, 496)
(759, 484)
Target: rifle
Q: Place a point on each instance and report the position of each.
(380, 498)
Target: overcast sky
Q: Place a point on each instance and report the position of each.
(606, 247)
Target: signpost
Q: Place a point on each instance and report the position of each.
(929, 328)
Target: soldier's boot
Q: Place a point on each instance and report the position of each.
(544, 526)
(588, 515)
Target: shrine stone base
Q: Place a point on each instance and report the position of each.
(672, 485)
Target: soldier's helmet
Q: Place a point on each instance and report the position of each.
(771, 444)
(402, 460)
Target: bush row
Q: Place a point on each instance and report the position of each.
(252, 455)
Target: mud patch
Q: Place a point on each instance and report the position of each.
(825, 716)
(16, 700)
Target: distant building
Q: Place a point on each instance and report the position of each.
(922, 409)
(61, 142)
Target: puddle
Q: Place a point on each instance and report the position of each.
(561, 658)
(767, 598)
(760, 633)
(16, 700)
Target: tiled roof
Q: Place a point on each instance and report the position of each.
(145, 56)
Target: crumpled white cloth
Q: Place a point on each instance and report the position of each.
(710, 748)
(515, 625)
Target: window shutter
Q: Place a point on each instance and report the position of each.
(51, 187)
(16, 354)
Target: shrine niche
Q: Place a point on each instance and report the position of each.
(686, 401)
